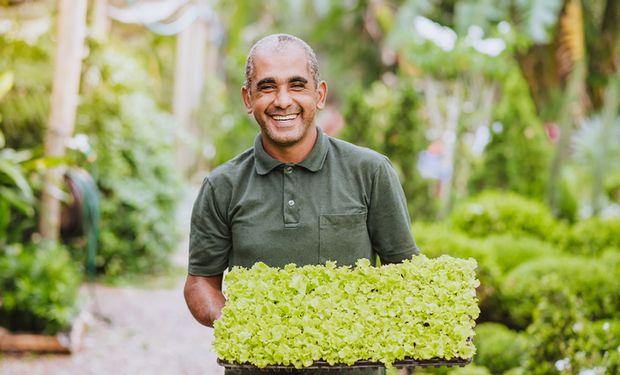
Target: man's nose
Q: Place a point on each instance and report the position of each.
(283, 98)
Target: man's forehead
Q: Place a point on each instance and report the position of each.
(279, 61)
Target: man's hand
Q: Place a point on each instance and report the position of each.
(203, 295)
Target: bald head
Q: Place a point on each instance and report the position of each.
(277, 43)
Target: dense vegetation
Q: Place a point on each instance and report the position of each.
(419, 309)
(501, 119)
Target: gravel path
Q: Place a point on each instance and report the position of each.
(145, 331)
(150, 331)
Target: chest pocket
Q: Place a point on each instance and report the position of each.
(343, 238)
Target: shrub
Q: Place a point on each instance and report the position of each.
(39, 286)
(494, 212)
(611, 257)
(397, 131)
(593, 236)
(591, 280)
(498, 348)
(564, 340)
(510, 251)
(132, 143)
(437, 239)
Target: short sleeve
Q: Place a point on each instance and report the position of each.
(210, 237)
(389, 225)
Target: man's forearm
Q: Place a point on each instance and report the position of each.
(203, 295)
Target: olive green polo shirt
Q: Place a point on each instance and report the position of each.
(341, 203)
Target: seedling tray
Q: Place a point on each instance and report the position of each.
(322, 365)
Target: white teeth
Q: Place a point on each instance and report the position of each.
(284, 118)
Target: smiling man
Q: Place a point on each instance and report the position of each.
(298, 196)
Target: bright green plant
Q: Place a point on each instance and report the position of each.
(517, 157)
(552, 332)
(435, 240)
(510, 251)
(494, 212)
(132, 159)
(564, 341)
(592, 236)
(590, 280)
(16, 196)
(39, 284)
(295, 316)
(498, 348)
(386, 119)
(25, 110)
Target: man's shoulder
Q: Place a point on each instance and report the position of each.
(232, 170)
(357, 155)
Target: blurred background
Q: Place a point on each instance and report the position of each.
(501, 118)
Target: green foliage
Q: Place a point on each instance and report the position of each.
(498, 348)
(132, 149)
(16, 197)
(518, 155)
(537, 18)
(510, 251)
(564, 341)
(552, 332)
(39, 284)
(592, 281)
(593, 236)
(435, 240)
(495, 212)
(278, 315)
(25, 110)
(386, 119)
(612, 186)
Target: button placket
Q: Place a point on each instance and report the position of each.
(290, 204)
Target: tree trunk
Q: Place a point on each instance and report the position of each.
(189, 81)
(65, 88)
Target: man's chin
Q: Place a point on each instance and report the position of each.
(284, 138)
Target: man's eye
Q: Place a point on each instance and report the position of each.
(298, 85)
(266, 88)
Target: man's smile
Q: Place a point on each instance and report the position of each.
(284, 117)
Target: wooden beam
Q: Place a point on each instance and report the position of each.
(65, 87)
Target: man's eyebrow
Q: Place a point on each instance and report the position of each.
(297, 79)
(265, 81)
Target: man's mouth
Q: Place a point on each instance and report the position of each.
(284, 117)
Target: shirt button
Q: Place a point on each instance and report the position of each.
(291, 202)
(288, 170)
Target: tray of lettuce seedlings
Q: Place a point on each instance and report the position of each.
(418, 313)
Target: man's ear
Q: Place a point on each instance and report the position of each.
(322, 92)
(247, 99)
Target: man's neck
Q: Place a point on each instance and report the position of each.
(294, 153)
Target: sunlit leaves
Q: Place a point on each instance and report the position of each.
(422, 309)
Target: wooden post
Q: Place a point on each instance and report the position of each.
(67, 64)
(189, 81)
(100, 22)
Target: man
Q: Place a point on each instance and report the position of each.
(298, 196)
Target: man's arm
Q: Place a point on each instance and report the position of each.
(388, 222)
(203, 295)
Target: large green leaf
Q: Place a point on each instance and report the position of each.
(13, 199)
(536, 18)
(478, 12)
(10, 173)
(6, 83)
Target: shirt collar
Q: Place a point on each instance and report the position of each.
(314, 162)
